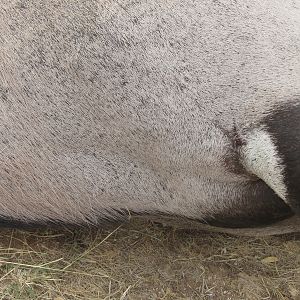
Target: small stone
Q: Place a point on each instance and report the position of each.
(270, 259)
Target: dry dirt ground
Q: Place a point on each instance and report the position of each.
(142, 260)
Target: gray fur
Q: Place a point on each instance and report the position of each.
(110, 107)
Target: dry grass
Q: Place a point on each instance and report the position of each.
(146, 261)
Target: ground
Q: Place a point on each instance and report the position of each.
(142, 260)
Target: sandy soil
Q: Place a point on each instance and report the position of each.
(142, 260)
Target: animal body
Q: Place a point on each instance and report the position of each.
(178, 109)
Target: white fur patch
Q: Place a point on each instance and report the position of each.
(260, 157)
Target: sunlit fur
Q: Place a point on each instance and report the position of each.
(113, 109)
